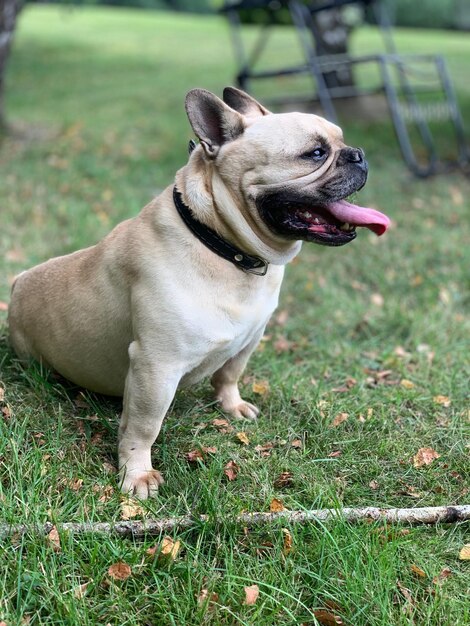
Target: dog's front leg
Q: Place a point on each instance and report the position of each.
(225, 383)
(150, 387)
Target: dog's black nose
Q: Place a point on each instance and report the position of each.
(352, 155)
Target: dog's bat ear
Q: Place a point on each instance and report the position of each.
(213, 122)
(243, 103)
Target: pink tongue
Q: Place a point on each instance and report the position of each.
(359, 216)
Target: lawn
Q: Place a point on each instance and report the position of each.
(377, 332)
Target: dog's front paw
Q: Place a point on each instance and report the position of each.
(141, 483)
(242, 410)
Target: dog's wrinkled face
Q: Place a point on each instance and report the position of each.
(293, 170)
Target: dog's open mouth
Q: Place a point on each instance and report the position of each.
(330, 224)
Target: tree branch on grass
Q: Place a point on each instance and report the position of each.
(141, 528)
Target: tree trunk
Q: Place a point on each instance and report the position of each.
(8, 11)
(332, 37)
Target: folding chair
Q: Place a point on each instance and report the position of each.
(418, 88)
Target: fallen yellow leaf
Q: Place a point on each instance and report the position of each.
(243, 438)
(276, 505)
(417, 571)
(169, 549)
(464, 554)
(444, 400)
(407, 384)
(261, 387)
(131, 508)
(288, 542)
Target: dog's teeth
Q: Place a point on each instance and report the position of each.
(316, 220)
(346, 227)
(306, 214)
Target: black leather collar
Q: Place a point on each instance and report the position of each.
(245, 262)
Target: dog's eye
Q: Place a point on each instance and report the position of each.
(316, 154)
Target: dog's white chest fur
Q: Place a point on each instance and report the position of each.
(211, 329)
(223, 334)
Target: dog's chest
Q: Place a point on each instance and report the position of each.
(220, 333)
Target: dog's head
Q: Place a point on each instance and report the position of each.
(292, 170)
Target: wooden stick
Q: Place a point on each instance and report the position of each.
(141, 528)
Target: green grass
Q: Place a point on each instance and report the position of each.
(96, 100)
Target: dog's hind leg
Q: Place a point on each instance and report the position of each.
(225, 383)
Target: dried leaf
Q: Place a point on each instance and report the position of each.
(374, 484)
(464, 554)
(339, 419)
(81, 402)
(80, 591)
(335, 454)
(287, 542)
(407, 384)
(265, 449)
(209, 449)
(276, 505)
(106, 493)
(75, 484)
(108, 468)
(406, 592)
(207, 596)
(222, 425)
(424, 456)
(443, 574)
(119, 571)
(194, 456)
(283, 480)
(53, 540)
(327, 618)
(334, 606)
(282, 317)
(231, 470)
(3, 306)
(282, 344)
(297, 444)
(169, 549)
(348, 385)
(444, 400)
(417, 571)
(6, 412)
(409, 490)
(261, 387)
(251, 595)
(130, 508)
(242, 438)
(377, 299)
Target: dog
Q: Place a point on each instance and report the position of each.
(184, 290)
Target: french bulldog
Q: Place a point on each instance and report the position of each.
(184, 290)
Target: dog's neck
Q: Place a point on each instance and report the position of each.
(211, 203)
